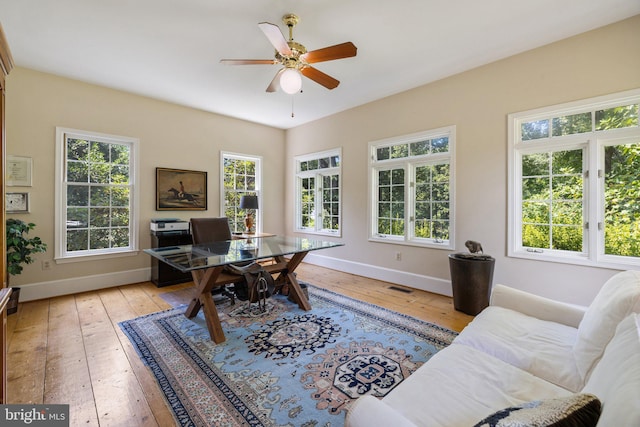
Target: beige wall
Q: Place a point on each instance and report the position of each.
(170, 136)
(603, 61)
(477, 102)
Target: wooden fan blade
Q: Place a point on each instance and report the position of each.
(339, 51)
(275, 83)
(248, 61)
(276, 38)
(320, 77)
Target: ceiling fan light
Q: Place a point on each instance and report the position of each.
(291, 81)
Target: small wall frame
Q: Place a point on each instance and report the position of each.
(19, 170)
(17, 202)
(181, 190)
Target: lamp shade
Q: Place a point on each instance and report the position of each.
(291, 81)
(249, 202)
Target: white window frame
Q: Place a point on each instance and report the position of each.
(317, 174)
(60, 254)
(409, 164)
(593, 144)
(258, 184)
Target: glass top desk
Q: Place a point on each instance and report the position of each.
(206, 263)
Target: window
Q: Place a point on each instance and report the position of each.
(96, 194)
(411, 183)
(318, 180)
(574, 182)
(240, 176)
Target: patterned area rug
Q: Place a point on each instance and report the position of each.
(287, 367)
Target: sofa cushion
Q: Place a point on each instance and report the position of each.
(540, 347)
(370, 411)
(579, 410)
(537, 306)
(616, 377)
(619, 297)
(460, 385)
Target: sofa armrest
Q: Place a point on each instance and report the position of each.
(537, 306)
(369, 411)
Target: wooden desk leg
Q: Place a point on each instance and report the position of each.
(294, 286)
(281, 279)
(203, 298)
(195, 305)
(213, 321)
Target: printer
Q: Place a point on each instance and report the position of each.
(169, 226)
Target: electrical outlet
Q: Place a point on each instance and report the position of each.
(398, 256)
(46, 265)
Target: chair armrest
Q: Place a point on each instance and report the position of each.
(369, 411)
(537, 306)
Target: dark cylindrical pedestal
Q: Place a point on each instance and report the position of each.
(471, 279)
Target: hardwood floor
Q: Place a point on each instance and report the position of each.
(71, 350)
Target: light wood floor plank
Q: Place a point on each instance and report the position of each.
(26, 355)
(67, 376)
(119, 308)
(139, 300)
(423, 305)
(119, 398)
(156, 293)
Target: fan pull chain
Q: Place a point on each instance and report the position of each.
(292, 104)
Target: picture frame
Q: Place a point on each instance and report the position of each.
(180, 190)
(17, 202)
(19, 170)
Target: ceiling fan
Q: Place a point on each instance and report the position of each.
(295, 59)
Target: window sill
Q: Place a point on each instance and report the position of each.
(318, 233)
(96, 257)
(608, 262)
(400, 241)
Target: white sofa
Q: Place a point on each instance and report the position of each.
(524, 348)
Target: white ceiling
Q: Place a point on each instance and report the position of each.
(170, 49)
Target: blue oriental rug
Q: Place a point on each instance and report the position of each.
(287, 367)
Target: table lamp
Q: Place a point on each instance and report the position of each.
(249, 203)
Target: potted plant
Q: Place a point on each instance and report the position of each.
(20, 249)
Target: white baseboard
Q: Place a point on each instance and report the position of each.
(54, 288)
(417, 281)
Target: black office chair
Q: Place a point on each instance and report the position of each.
(206, 230)
(211, 230)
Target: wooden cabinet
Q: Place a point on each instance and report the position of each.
(5, 293)
(6, 64)
(163, 274)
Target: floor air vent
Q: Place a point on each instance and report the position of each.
(395, 288)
